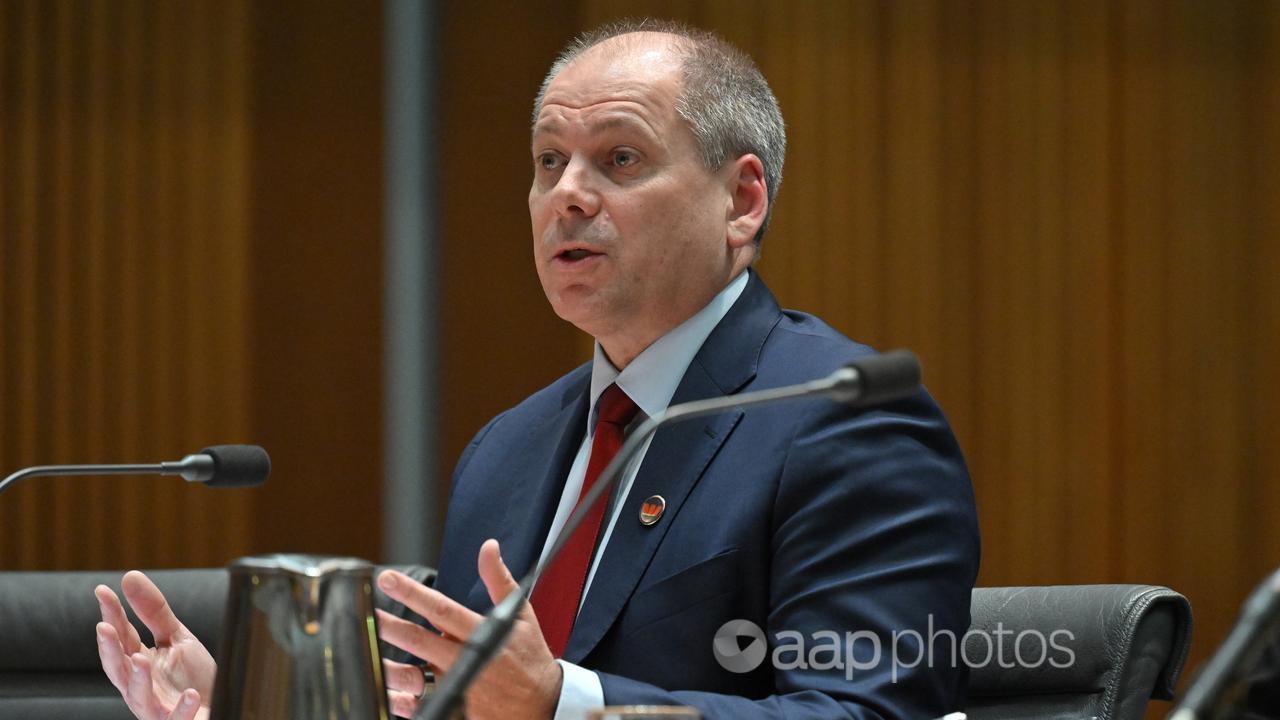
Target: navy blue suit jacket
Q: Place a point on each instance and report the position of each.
(802, 517)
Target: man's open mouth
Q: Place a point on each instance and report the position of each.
(575, 254)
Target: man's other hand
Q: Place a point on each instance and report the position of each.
(523, 681)
(171, 681)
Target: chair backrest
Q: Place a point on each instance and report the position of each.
(49, 666)
(1074, 651)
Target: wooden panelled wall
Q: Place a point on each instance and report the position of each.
(123, 198)
(190, 203)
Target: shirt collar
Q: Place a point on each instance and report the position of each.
(653, 376)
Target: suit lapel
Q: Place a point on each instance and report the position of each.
(676, 459)
(535, 488)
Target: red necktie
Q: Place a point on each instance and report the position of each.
(559, 591)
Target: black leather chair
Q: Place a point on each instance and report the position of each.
(1129, 643)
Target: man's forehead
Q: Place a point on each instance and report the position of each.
(625, 67)
(616, 113)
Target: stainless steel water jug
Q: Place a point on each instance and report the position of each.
(299, 642)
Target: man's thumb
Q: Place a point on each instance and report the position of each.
(494, 573)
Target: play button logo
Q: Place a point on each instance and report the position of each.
(739, 646)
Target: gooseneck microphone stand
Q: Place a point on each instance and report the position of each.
(192, 468)
(216, 466)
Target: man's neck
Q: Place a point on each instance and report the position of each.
(626, 345)
(622, 348)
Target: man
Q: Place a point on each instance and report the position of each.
(849, 537)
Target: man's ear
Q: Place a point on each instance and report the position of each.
(749, 200)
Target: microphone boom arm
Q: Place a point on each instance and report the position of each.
(192, 468)
(63, 470)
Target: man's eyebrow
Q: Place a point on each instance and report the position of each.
(551, 126)
(624, 122)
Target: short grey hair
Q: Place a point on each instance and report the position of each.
(723, 96)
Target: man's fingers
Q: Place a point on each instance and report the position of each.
(152, 609)
(187, 707)
(499, 581)
(444, 614)
(115, 662)
(113, 612)
(417, 641)
(403, 677)
(494, 573)
(402, 703)
(141, 699)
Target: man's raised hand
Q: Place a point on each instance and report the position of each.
(523, 681)
(171, 681)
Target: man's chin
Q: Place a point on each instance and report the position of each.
(585, 322)
(582, 308)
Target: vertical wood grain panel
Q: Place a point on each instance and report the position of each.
(194, 96)
(989, 456)
(1024, 395)
(166, 374)
(855, 131)
(802, 55)
(95, 296)
(1204, 350)
(1090, 487)
(61, 318)
(833, 261)
(1046, 298)
(1142, 229)
(5, 145)
(108, 360)
(131, 336)
(951, 373)
(235, 59)
(913, 262)
(315, 263)
(1264, 336)
(27, 416)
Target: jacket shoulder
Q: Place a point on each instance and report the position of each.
(546, 402)
(804, 347)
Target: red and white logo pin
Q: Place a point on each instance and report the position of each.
(651, 510)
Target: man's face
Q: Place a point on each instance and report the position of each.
(629, 226)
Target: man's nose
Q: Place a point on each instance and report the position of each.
(575, 194)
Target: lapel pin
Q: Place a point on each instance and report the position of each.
(651, 510)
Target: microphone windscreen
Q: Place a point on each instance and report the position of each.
(887, 377)
(238, 465)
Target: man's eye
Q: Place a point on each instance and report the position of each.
(549, 161)
(624, 158)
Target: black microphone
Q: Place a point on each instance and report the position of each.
(873, 380)
(216, 466)
(1217, 687)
